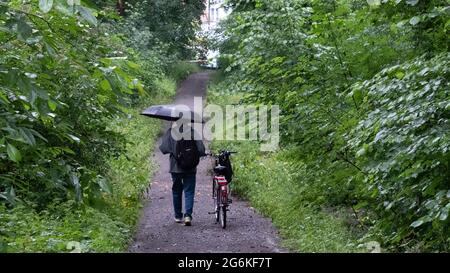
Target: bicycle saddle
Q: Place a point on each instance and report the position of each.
(219, 169)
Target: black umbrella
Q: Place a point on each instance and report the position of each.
(169, 112)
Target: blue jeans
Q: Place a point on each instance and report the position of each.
(183, 182)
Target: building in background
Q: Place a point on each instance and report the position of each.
(214, 13)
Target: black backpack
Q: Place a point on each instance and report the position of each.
(225, 161)
(186, 154)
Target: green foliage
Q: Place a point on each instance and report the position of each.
(73, 148)
(130, 173)
(180, 70)
(403, 142)
(61, 228)
(173, 22)
(275, 185)
(342, 72)
(108, 223)
(59, 86)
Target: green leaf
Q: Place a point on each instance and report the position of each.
(3, 97)
(360, 205)
(13, 153)
(30, 75)
(133, 65)
(45, 5)
(358, 95)
(27, 136)
(35, 133)
(399, 75)
(140, 89)
(24, 30)
(361, 152)
(87, 15)
(73, 2)
(374, 3)
(105, 85)
(2, 196)
(417, 223)
(444, 215)
(412, 2)
(52, 105)
(68, 150)
(421, 221)
(105, 185)
(415, 20)
(76, 184)
(49, 48)
(9, 195)
(74, 138)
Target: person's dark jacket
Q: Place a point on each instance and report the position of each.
(168, 145)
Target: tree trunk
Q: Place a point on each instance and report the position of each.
(121, 7)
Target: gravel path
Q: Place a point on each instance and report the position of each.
(246, 231)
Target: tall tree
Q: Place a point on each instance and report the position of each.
(121, 7)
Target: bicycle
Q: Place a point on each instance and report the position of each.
(223, 174)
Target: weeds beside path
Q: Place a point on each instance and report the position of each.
(247, 230)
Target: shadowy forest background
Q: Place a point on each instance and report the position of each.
(74, 153)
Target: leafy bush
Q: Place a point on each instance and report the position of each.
(62, 228)
(58, 91)
(274, 184)
(344, 72)
(172, 23)
(403, 142)
(107, 224)
(180, 70)
(73, 148)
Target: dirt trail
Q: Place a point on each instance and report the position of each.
(157, 232)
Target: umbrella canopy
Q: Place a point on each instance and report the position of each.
(169, 112)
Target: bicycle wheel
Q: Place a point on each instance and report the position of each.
(214, 190)
(223, 217)
(217, 205)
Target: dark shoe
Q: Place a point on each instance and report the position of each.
(187, 221)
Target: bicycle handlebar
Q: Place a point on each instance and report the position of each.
(221, 153)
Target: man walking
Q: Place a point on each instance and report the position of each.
(184, 158)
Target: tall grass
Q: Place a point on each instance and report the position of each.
(274, 184)
(181, 69)
(109, 225)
